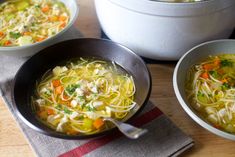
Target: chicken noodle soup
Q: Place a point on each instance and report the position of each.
(210, 88)
(74, 98)
(24, 22)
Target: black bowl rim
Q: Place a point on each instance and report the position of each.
(77, 137)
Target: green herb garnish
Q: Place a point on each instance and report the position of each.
(58, 107)
(225, 86)
(71, 88)
(66, 110)
(15, 35)
(90, 108)
(214, 74)
(226, 62)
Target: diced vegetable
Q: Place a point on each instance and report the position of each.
(62, 18)
(209, 66)
(66, 110)
(205, 75)
(72, 88)
(202, 98)
(46, 8)
(15, 35)
(39, 39)
(98, 123)
(7, 43)
(59, 89)
(25, 40)
(88, 123)
(9, 17)
(56, 83)
(62, 25)
(22, 5)
(226, 62)
(50, 112)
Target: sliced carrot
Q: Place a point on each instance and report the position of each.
(220, 71)
(59, 89)
(50, 112)
(98, 123)
(39, 39)
(205, 75)
(1, 34)
(46, 8)
(62, 25)
(42, 114)
(54, 18)
(72, 132)
(56, 83)
(224, 80)
(217, 61)
(208, 66)
(62, 18)
(7, 43)
(217, 126)
(26, 33)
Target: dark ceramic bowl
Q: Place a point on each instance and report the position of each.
(36, 66)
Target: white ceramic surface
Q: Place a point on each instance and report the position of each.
(28, 50)
(165, 31)
(192, 57)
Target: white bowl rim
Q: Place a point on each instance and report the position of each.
(194, 116)
(71, 22)
(171, 9)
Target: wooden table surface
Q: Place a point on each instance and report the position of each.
(14, 144)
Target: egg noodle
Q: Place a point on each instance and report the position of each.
(210, 87)
(73, 99)
(24, 22)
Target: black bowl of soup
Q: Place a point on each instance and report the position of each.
(67, 89)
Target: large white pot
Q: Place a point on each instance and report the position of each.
(162, 30)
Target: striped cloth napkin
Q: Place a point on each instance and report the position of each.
(163, 137)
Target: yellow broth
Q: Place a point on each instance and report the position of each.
(210, 87)
(75, 97)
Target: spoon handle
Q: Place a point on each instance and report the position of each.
(127, 129)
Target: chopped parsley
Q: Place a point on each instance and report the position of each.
(58, 107)
(15, 35)
(66, 110)
(225, 86)
(90, 108)
(214, 74)
(199, 94)
(226, 62)
(72, 88)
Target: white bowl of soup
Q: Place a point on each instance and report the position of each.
(204, 85)
(27, 26)
(165, 30)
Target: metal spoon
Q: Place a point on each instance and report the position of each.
(127, 129)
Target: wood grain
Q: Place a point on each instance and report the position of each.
(14, 144)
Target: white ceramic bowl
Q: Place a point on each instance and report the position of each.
(192, 57)
(163, 30)
(28, 50)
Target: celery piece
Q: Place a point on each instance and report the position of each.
(22, 5)
(60, 4)
(25, 40)
(88, 123)
(9, 17)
